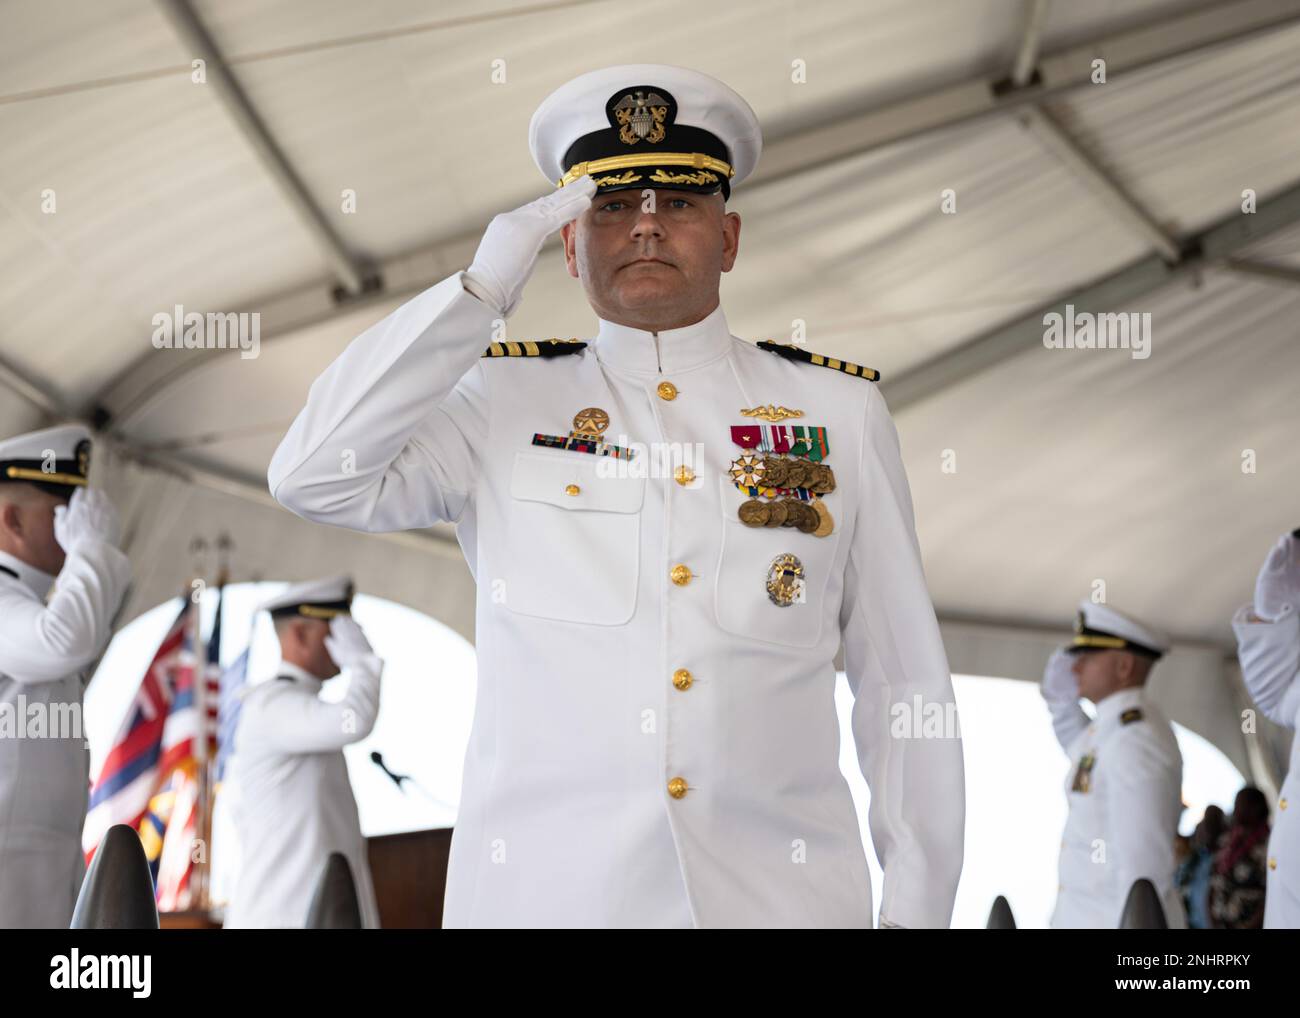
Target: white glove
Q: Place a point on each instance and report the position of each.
(346, 643)
(1060, 685)
(1278, 583)
(89, 515)
(512, 241)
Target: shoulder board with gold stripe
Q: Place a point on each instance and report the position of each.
(535, 348)
(1131, 715)
(798, 353)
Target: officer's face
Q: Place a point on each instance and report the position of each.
(303, 643)
(1102, 672)
(1095, 670)
(652, 259)
(27, 519)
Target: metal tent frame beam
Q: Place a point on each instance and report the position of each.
(349, 269)
(147, 378)
(1213, 246)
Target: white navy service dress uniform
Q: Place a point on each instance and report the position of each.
(46, 643)
(1123, 787)
(1268, 646)
(655, 741)
(293, 803)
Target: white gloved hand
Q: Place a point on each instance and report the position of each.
(512, 241)
(90, 515)
(1278, 583)
(346, 643)
(1060, 685)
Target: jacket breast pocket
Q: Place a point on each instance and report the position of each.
(575, 539)
(742, 602)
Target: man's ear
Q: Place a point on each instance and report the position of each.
(730, 240)
(568, 234)
(296, 632)
(11, 519)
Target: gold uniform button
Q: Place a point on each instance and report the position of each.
(572, 489)
(1281, 804)
(667, 390)
(677, 787)
(681, 575)
(682, 679)
(1272, 864)
(684, 475)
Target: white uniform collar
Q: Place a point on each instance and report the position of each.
(301, 676)
(39, 583)
(674, 350)
(1117, 703)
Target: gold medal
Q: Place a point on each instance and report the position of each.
(822, 481)
(774, 471)
(825, 521)
(754, 513)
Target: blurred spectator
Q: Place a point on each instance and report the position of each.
(1241, 866)
(1195, 870)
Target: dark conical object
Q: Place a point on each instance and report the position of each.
(1142, 910)
(334, 905)
(1000, 916)
(117, 893)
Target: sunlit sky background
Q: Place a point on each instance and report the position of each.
(1015, 771)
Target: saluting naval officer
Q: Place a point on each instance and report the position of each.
(655, 740)
(55, 532)
(1268, 646)
(1124, 786)
(293, 804)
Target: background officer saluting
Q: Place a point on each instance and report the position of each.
(1268, 645)
(655, 740)
(294, 802)
(1125, 779)
(54, 532)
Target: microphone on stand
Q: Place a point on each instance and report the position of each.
(377, 758)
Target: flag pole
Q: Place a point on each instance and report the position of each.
(206, 758)
(199, 875)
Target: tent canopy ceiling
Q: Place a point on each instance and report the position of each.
(1071, 466)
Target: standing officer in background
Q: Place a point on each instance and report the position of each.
(293, 804)
(54, 532)
(1268, 645)
(1124, 787)
(655, 741)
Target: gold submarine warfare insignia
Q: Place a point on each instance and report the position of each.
(641, 118)
(771, 413)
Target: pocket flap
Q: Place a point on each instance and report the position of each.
(576, 481)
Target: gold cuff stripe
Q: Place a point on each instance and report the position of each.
(24, 474)
(696, 160)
